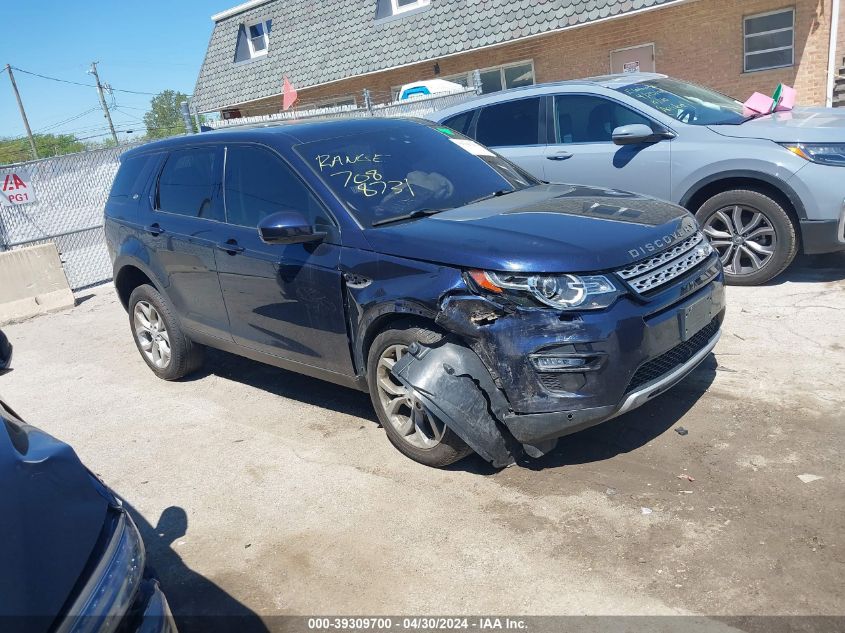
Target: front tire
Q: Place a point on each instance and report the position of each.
(159, 337)
(412, 430)
(755, 236)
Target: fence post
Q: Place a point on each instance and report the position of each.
(3, 238)
(186, 117)
(476, 81)
(368, 103)
(193, 108)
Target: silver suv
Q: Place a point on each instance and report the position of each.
(762, 186)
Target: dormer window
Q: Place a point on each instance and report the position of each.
(253, 40)
(400, 6)
(388, 10)
(259, 37)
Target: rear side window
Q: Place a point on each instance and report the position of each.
(132, 176)
(510, 123)
(588, 119)
(188, 184)
(259, 183)
(459, 122)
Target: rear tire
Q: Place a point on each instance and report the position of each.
(159, 337)
(408, 427)
(754, 234)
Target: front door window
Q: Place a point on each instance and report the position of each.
(258, 183)
(590, 119)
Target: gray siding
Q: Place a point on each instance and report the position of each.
(315, 42)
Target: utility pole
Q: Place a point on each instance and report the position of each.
(23, 113)
(93, 71)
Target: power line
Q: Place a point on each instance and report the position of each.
(133, 117)
(128, 121)
(60, 123)
(103, 129)
(79, 83)
(85, 138)
(64, 81)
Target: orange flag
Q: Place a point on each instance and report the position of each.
(288, 94)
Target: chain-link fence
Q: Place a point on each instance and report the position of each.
(419, 106)
(70, 193)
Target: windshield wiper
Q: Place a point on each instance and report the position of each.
(756, 115)
(418, 213)
(495, 194)
(422, 213)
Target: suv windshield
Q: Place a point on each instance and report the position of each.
(408, 171)
(687, 102)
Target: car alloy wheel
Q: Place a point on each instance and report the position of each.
(404, 411)
(743, 236)
(152, 335)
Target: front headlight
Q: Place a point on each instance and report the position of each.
(110, 590)
(563, 291)
(822, 153)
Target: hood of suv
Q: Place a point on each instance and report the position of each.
(547, 228)
(801, 125)
(51, 515)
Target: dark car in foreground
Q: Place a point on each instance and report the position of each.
(72, 558)
(481, 308)
(5, 351)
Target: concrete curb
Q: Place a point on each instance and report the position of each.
(32, 282)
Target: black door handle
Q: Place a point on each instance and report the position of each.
(563, 155)
(154, 229)
(230, 246)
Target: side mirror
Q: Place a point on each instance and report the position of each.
(636, 133)
(287, 227)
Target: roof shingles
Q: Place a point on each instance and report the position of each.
(320, 41)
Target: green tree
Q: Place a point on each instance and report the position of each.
(16, 150)
(165, 115)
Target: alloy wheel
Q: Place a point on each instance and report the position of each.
(744, 238)
(151, 333)
(403, 410)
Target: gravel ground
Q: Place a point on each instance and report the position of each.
(264, 492)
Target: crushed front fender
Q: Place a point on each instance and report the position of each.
(452, 383)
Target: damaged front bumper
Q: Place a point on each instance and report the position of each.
(494, 394)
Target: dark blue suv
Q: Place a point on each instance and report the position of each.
(481, 308)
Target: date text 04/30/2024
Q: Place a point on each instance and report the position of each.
(415, 624)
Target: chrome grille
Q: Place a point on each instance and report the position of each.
(662, 268)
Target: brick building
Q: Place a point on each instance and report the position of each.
(331, 50)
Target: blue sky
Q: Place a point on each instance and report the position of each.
(145, 46)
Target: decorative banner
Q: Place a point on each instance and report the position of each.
(288, 94)
(16, 188)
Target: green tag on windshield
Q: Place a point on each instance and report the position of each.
(446, 131)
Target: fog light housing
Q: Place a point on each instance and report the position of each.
(566, 362)
(556, 363)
